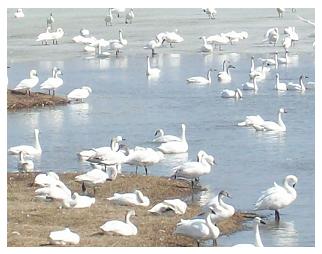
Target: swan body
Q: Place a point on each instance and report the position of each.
(201, 80)
(272, 36)
(153, 44)
(52, 83)
(258, 240)
(278, 197)
(54, 36)
(176, 146)
(151, 71)
(271, 61)
(95, 176)
(251, 120)
(100, 53)
(226, 93)
(126, 228)
(272, 126)
(172, 37)
(211, 12)
(30, 150)
(55, 191)
(130, 199)
(28, 83)
(162, 138)
(43, 180)
(63, 237)
(224, 76)
(78, 201)
(25, 165)
(278, 85)
(251, 85)
(297, 87)
(79, 93)
(117, 44)
(175, 205)
(44, 37)
(129, 17)
(206, 47)
(19, 13)
(218, 40)
(198, 229)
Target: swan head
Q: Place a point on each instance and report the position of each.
(130, 213)
(183, 126)
(119, 138)
(59, 72)
(282, 110)
(33, 73)
(258, 220)
(291, 180)
(87, 88)
(224, 193)
(159, 131)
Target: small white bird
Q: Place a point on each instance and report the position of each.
(63, 237)
(52, 83)
(126, 228)
(272, 126)
(27, 84)
(218, 40)
(129, 16)
(201, 80)
(278, 197)
(176, 205)
(30, 150)
(43, 180)
(130, 199)
(251, 120)
(19, 13)
(25, 165)
(79, 94)
(278, 85)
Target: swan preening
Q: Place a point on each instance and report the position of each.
(237, 94)
(176, 205)
(193, 170)
(272, 36)
(172, 37)
(79, 94)
(54, 82)
(126, 228)
(258, 240)
(63, 237)
(27, 84)
(201, 80)
(25, 165)
(199, 229)
(176, 146)
(162, 138)
(278, 197)
(130, 199)
(297, 87)
(272, 126)
(29, 150)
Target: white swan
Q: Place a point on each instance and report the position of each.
(194, 169)
(278, 197)
(206, 47)
(109, 17)
(130, 199)
(57, 35)
(278, 85)
(30, 150)
(129, 16)
(201, 80)
(224, 76)
(117, 44)
(272, 126)
(211, 12)
(19, 13)
(199, 229)
(290, 31)
(161, 138)
(126, 228)
(258, 240)
(143, 157)
(251, 120)
(153, 44)
(25, 165)
(79, 94)
(297, 87)
(176, 205)
(260, 70)
(172, 37)
(78, 201)
(218, 40)
(287, 43)
(43, 180)
(44, 37)
(226, 93)
(63, 237)
(52, 83)
(280, 12)
(27, 84)
(176, 146)
(272, 36)
(151, 71)
(55, 191)
(271, 61)
(251, 85)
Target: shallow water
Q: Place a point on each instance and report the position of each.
(124, 102)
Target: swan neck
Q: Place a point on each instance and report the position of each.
(140, 197)
(209, 76)
(258, 240)
(280, 121)
(252, 66)
(183, 134)
(161, 132)
(127, 218)
(301, 83)
(255, 84)
(148, 64)
(37, 143)
(210, 225)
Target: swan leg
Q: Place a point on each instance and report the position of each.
(214, 242)
(146, 170)
(83, 188)
(153, 53)
(198, 243)
(53, 92)
(136, 170)
(277, 215)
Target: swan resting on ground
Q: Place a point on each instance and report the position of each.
(176, 205)
(63, 237)
(131, 199)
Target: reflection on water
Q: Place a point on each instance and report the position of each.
(120, 61)
(272, 136)
(174, 60)
(282, 233)
(55, 117)
(78, 112)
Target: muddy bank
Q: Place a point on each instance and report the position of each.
(30, 220)
(21, 100)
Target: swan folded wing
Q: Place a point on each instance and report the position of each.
(29, 150)
(76, 93)
(269, 196)
(118, 227)
(268, 125)
(26, 83)
(197, 230)
(188, 170)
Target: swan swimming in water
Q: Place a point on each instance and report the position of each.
(278, 85)
(258, 240)
(25, 165)
(251, 85)
(251, 120)
(201, 80)
(130, 199)
(63, 237)
(199, 229)
(226, 93)
(297, 87)
(278, 197)
(272, 126)
(224, 76)
(126, 228)
(27, 84)
(161, 138)
(30, 150)
(176, 146)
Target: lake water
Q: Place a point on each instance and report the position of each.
(124, 102)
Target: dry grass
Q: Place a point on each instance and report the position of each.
(30, 221)
(20, 100)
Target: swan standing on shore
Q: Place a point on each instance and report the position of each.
(272, 126)
(53, 83)
(278, 85)
(151, 71)
(130, 199)
(19, 13)
(25, 165)
(278, 197)
(258, 240)
(63, 237)
(164, 138)
(176, 146)
(79, 94)
(218, 40)
(201, 80)
(27, 84)
(126, 228)
(297, 87)
(226, 93)
(30, 150)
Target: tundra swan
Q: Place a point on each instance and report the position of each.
(79, 94)
(224, 76)
(201, 80)
(297, 87)
(206, 47)
(25, 165)
(176, 205)
(129, 16)
(53, 83)
(278, 85)
(27, 84)
(30, 150)
(162, 138)
(63, 237)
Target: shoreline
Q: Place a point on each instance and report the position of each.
(30, 221)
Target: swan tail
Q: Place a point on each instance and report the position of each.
(242, 124)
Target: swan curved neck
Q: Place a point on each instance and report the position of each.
(37, 143)
(258, 240)
(280, 121)
(183, 134)
(301, 83)
(209, 76)
(252, 65)
(148, 64)
(210, 225)
(288, 187)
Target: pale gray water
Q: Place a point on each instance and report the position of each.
(124, 102)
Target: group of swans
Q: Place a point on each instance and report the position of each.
(155, 43)
(50, 36)
(63, 237)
